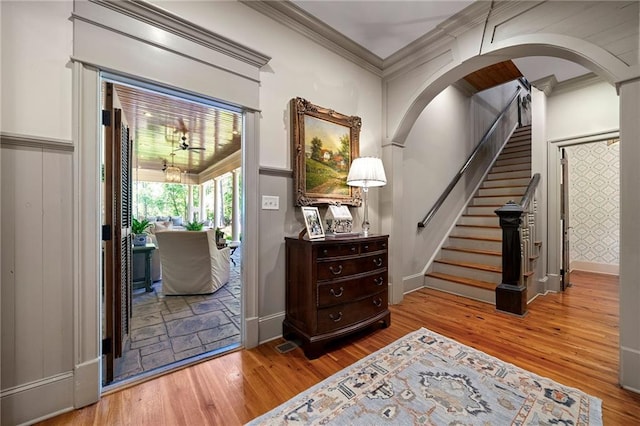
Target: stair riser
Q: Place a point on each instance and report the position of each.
(463, 231)
(519, 140)
(501, 200)
(519, 149)
(479, 220)
(475, 244)
(518, 190)
(509, 161)
(505, 182)
(482, 210)
(509, 175)
(511, 168)
(461, 290)
(523, 154)
(464, 256)
(460, 271)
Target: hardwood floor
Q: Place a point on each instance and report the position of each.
(571, 338)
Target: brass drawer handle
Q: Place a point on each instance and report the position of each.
(377, 302)
(378, 261)
(366, 247)
(325, 252)
(338, 270)
(353, 249)
(336, 318)
(378, 281)
(333, 293)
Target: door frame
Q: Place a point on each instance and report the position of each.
(87, 208)
(554, 173)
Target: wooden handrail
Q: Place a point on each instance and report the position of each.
(423, 223)
(529, 193)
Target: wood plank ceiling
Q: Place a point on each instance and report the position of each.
(493, 75)
(162, 127)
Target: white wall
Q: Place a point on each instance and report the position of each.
(36, 82)
(580, 111)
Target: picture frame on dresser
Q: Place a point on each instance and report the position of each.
(312, 222)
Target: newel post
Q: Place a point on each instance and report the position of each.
(511, 294)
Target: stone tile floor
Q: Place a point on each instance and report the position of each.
(167, 329)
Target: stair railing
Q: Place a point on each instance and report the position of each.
(518, 223)
(512, 107)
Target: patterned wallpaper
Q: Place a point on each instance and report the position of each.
(594, 202)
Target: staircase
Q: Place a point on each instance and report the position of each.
(470, 262)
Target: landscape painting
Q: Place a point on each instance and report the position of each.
(324, 145)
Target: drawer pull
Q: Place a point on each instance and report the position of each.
(337, 317)
(377, 302)
(378, 281)
(333, 292)
(366, 247)
(337, 271)
(353, 249)
(378, 261)
(325, 252)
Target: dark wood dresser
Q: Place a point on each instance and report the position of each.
(335, 286)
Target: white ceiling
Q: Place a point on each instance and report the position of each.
(383, 27)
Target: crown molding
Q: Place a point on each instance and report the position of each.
(545, 84)
(295, 18)
(161, 18)
(577, 83)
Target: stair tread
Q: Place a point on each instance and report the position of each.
(471, 265)
(491, 239)
(461, 280)
(478, 226)
(476, 251)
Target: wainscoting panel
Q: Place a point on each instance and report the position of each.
(37, 296)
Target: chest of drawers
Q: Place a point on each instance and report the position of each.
(335, 286)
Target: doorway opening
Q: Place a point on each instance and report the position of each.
(587, 187)
(172, 162)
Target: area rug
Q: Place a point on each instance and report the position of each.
(424, 378)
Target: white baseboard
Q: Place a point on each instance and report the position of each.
(630, 369)
(37, 400)
(271, 327)
(600, 268)
(412, 283)
(251, 332)
(87, 378)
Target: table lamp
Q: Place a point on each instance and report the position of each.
(366, 172)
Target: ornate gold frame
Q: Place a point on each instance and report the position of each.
(301, 111)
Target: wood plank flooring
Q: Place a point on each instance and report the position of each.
(571, 338)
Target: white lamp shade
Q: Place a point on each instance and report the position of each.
(366, 172)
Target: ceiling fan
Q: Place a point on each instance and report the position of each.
(184, 145)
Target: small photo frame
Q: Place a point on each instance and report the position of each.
(313, 222)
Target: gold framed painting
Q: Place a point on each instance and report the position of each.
(325, 143)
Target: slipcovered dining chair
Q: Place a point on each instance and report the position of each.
(191, 262)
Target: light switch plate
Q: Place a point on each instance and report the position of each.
(270, 202)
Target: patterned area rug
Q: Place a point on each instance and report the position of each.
(427, 379)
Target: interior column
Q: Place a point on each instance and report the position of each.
(201, 214)
(629, 232)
